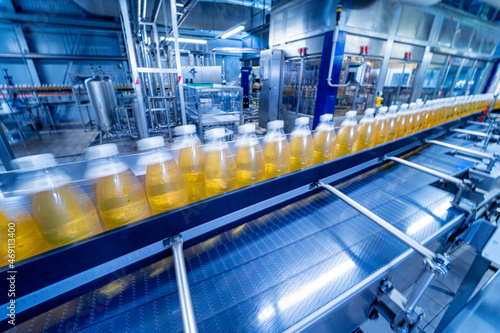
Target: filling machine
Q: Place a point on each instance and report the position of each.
(318, 250)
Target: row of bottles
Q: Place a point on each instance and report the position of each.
(62, 212)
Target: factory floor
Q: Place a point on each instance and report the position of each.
(436, 300)
(67, 142)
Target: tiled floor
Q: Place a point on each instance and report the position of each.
(435, 302)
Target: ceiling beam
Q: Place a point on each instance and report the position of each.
(22, 18)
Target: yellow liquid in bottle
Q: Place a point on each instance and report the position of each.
(220, 171)
(419, 121)
(381, 130)
(411, 123)
(28, 240)
(250, 164)
(121, 199)
(276, 158)
(402, 125)
(192, 165)
(392, 128)
(65, 214)
(426, 119)
(367, 135)
(301, 152)
(165, 186)
(324, 145)
(347, 140)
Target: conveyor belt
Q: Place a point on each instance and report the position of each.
(268, 274)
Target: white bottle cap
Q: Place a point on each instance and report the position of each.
(326, 117)
(369, 112)
(302, 121)
(404, 106)
(184, 130)
(150, 143)
(276, 124)
(101, 151)
(383, 109)
(351, 113)
(413, 105)
(419, 100)
(215, 133)
(393, 108)
(34, 162)
(246, 128)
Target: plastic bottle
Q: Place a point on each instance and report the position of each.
(15, 219)
(419, 116)
(367, 130)
(381, 126)
(348, 136)
(392, 123)
(191, 161)
(324, 139)
(62, 210)
(410, 117)
(276, 150)
(301, 145)
(220, 167)
(403, 120)
(120, 196)
(249, 157)
(165, 185)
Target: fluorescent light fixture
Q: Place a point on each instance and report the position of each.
(179, 4)
(233, 31)
(188, 40)
(313, 286)
(162, 38)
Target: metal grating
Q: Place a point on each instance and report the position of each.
(269, 273)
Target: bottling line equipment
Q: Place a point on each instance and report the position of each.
(321, 249)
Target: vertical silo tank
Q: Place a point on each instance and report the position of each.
(103, 101)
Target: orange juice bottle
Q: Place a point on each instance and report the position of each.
(120, 196)
(165, 185)
(348, 136)
(392, 123)
(403, 120)
(367, 130)
(249, 157)
(276, 150)
(220, 167)
(191, 161)
(411, 115)
(301, 145)
(324, 139)
(381, 126)
(418, 116)
(62, 210)
(17, 221)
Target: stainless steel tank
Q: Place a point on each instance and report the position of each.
(103, 100)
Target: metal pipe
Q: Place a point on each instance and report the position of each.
(463, 149)
(187, 311)
(175, 31)
(185, 11)
(402, 80)
(140, 116)
(424, 251)
(433, 172)
(475, 133)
